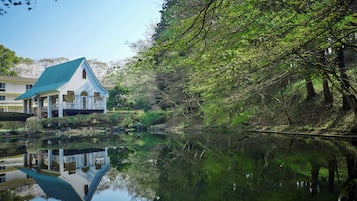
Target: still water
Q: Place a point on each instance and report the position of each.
(205, 166)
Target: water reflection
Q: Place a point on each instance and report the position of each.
(67, 174)
(243, 167)
(207, 167)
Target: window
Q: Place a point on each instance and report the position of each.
(70, 93)
(84, 74)
(2, 98)
(2, 178)
(28, 87)
(86, 189)
(2, 86)
(97, 96)
(69, 97)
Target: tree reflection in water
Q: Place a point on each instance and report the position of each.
(212, 167)
(241, 167)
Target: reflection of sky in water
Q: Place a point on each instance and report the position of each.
(109, 195)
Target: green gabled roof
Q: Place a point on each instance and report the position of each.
(54, 187)
(52, 78)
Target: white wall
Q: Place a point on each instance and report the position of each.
(89, 85)
(12, 90)
(15, 87)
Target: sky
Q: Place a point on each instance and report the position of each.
(72, 29)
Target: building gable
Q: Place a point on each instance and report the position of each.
(53, 78)
(66, 89)
(84, 79)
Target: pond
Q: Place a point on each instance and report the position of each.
(179, 167)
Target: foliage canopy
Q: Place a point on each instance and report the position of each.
(221, 55)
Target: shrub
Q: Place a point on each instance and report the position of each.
(152, 118)
(127, 122)
(34, 124)
(72, 121)
(101, 118)
(117, 118)
(13, 126)
(240, 118)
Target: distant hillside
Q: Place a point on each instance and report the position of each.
(33, 68)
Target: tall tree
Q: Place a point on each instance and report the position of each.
(117, 98)
(349, 100)
(8, 60)
(230, 50)
(328, 96)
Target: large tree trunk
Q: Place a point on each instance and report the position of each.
(285, 111)
(326, 89)
(349, 101)
(349, 187)
(351, 165)
(332, 168)
(328, 97)
(314, 178)
(310, 91)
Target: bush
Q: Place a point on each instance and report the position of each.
(34, 124)
(72, 121)
(152, 118)
(127, 122)
(240, 118)
(101, 118)
(13, 126)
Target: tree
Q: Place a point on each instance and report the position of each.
(6, 4)
(349, 100)
(230, 51)
(100, 69)
(8, 60)
(328, 97)
(9, 195)
(117, 97)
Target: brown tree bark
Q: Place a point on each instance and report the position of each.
(332, 168)
(310, 91)
(314, 178)
(350, 186)
(351, 165)
(349, 101)
(328, 97)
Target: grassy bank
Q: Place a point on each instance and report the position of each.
(120, 120)
(291, 110)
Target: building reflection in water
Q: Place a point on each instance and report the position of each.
(10, 176)
(68, 174)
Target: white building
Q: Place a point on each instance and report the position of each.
(66, 89)
(10, 88)
(10, 176)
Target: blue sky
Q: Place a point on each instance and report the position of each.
(78, 28)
